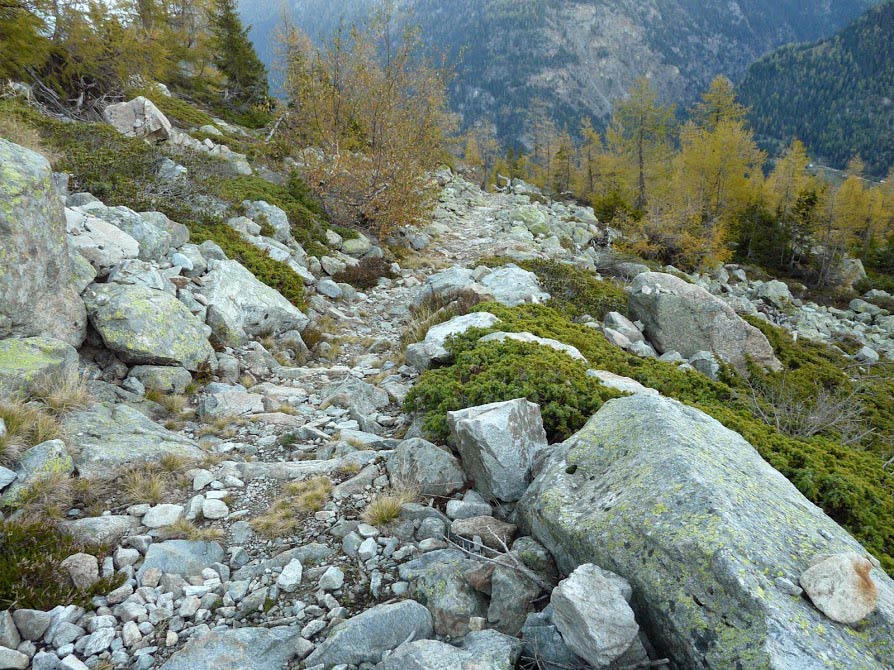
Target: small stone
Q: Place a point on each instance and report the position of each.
(290, 577)
(32, 624)
(841, 587)
(9, 634)
(368, 548)
(13, 660)
(214, 509)
(83, 570)
(332, 580)
(99, 641)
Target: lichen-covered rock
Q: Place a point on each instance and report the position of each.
(138, 118)
(239, 306)
(38, 296)
(162, 378)
(434, 470)
(688, 512)
(262, 212)
(481, 650)
(432, 350)
(143, 325)
(109, 437)
(512, 286)
(25, 362)
(683, 317)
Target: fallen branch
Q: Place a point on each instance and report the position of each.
(515, 564)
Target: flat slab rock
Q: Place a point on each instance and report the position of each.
(242, 648)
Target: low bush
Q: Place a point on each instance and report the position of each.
(852, 485)
(30, 572)
(365, 274)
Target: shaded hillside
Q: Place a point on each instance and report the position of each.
(836, 95)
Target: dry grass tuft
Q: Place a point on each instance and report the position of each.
(173, 403)
(27, 424)
(154, 482)
(385, 507)
(184, 529)
(297, 499)
(15, 130)
(435, 310)
(62, 394)
(47, 497)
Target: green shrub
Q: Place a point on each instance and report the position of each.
(574, 291)
(30, 572)
(499, 371)
(850, 484)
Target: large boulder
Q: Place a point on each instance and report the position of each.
(710, 537)
(109, 437)
(26, 362)
(366, 637)
(683, 317)
(144, 325)
(512, 286)
(138, 118)
(240, 307)
(481, 650)
(38, 296)
(243, 648)
(498, 444)
(434, 470)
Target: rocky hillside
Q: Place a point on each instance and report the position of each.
(489, 442)
(836, 95)
(581, 56)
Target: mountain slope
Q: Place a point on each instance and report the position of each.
(836, 95)
(582, 55)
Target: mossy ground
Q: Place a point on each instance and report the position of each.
(850, 483)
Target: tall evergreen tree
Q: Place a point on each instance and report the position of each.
(235, 56)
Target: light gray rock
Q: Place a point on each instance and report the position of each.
(138, 118)
(621, 324)
(706, 363)
(498, 444)
(700, 525)
(333, 579)
(9, 634)
(10, 659)
(356, 246)
(841, 587)
(32, 624)
(686, 318)
(243, 648)
(146, 326)
(7, 477)
(26, 362)
(230, 403)
(434, 470)
(481, 650)
(214, 509)
(263, 212)
(103, 244)
(620, 383)
(240, 306)
(164, 378)
(355, 394)
(593, 616)
(162, 515)
(512, 598)
(114, 436)
(512, 286)
(367, 636)
(432, 349)
(139, 273)
(82, 569)
(100, 529)
(38, 293)
(146, 228)
(182, 557)
(290, 577)
(775, 292)
(329, 288)
(530, 338)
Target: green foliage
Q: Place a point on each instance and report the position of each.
(494, 372)
(30, 576)
(305, 213)
(849, 483)
(235, 57)
(832, 94)
(576, 291)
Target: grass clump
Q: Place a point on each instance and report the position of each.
(173, 403)
(27, 424)
(183, 529)
(386, 506)
(61, 394)
(30, 572)
(298, 499)
(153, 482)
(433, 310)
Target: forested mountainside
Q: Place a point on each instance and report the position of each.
(835, 95)
(579, 55)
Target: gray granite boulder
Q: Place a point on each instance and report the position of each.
(701, 526)
(241, 307)
(38, 294)
(367, 636)
(683, 317)
(26, 362)
(498, 444)
(434, 470)
(146, 326)
(432, 350)
(182, 557)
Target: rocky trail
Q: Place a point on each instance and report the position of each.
(266, 502)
